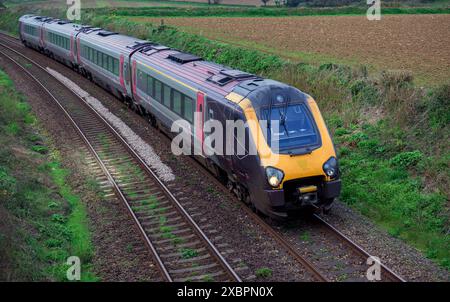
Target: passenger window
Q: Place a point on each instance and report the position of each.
(167, 91)
(177, 98)
(110, 64)
(142, 84)
(116, 67)
(188, 109)
(158, 91)
(104, 61)
(150, 90)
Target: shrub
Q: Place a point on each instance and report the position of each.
(407, 159)
(438, 107)
(395, 79)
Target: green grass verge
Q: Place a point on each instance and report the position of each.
(43, 221)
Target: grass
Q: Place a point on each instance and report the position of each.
(188, 253)
(43, 221)
(305, 236)
(263, 272)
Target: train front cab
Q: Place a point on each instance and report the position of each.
(303, 172)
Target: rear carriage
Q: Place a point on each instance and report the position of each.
(30, 30)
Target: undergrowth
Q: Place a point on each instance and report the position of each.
(42, 222)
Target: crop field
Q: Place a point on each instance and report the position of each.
(418, 43)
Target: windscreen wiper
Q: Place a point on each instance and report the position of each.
(283, 121)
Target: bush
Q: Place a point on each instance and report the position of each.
(407, 159)
(438, 107)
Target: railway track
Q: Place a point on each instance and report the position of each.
(386, 273)
(180, 248)
(316, 272)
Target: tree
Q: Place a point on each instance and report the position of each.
(265, 2)
(292, 3)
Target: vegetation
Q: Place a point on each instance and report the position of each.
(221, 11)
(392, 136)
(42, 221)
(263, 272)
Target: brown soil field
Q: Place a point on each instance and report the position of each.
(418, 43)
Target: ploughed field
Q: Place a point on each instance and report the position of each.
(418, 43)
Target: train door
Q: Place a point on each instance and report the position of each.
(133, 80)
(41, 35)
(127, 75)
(122, 72)
(73, 48)
(199, 122)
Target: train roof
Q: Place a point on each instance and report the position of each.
(204, 75)
(32, 19)
(110, 40)
(62, 26)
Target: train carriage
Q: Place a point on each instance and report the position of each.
(104, 57)
(294, 162)
(31, 32)
(59, 40)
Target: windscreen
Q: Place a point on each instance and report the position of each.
(295, 129)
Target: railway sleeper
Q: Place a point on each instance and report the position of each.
(190, 260)
(205, 267)
(174, 232)
(168, 221)
(209, 276)
(177, 254)
(173, 226)
(170, 240)
(153, 213)
(140, 197)
(152, 217)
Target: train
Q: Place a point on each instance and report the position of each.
(295, 166)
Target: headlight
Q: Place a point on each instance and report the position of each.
(274, 176)
(330, 167)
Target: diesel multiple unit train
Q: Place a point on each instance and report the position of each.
(166, 85)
